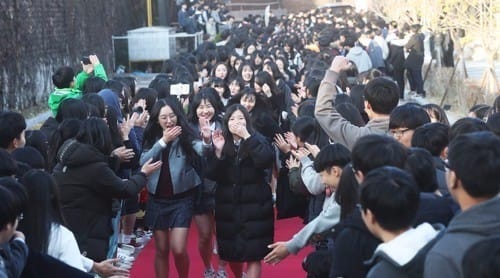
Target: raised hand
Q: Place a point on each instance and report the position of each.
(170, 134)
(340, 64)
(218, 141)
(94, 60)
(281, 143)
(313, 149)
(150, 166)
(127, 125)
(205, 130)
(123, 154)
(291, 139)
(300, 153)
(142, 119)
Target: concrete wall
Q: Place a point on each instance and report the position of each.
(38, 36)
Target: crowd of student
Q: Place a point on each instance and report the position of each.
(286, 111)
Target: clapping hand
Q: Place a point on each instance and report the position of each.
(291, 139)
(281, 143)
(313, 149)
(300, 153)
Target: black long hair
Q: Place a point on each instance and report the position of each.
(95, 132)
(229, 147)
(44, 209)
(66, 130)
(209, 95)
(154, 131)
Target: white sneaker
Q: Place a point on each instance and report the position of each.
(125, 250)
(221, 273)
(125, 259)
(209, 273)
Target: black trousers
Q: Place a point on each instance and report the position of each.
(416, 80)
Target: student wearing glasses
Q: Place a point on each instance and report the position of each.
(404, 120)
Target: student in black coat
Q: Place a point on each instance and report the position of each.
(243, 202)
(415, 60)
(396, 63)
(87, 185)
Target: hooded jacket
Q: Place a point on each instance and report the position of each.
(360, 57)
(465, 229)
(87, 186)
(404, 255)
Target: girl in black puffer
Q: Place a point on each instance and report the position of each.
(243, 201)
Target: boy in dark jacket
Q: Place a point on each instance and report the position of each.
(389, 202)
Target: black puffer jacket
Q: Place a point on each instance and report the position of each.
(87, 185)
(243, 201)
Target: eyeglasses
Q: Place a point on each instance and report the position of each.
(399, 132)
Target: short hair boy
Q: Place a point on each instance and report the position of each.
(12, 127)
(389, 202)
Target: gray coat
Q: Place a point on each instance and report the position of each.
(184, 177)
(465, 229)
(339, 129)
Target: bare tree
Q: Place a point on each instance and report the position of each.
(481, 20)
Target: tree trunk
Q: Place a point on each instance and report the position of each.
(459, 49)
(489, 82)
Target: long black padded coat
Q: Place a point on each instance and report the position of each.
(244, 213)
(87, 186)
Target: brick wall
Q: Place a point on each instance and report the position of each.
(38, 36)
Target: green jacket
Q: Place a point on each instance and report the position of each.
(60, 94)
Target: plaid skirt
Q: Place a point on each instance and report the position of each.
(164, 214)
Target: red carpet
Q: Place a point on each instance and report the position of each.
(291, 267)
